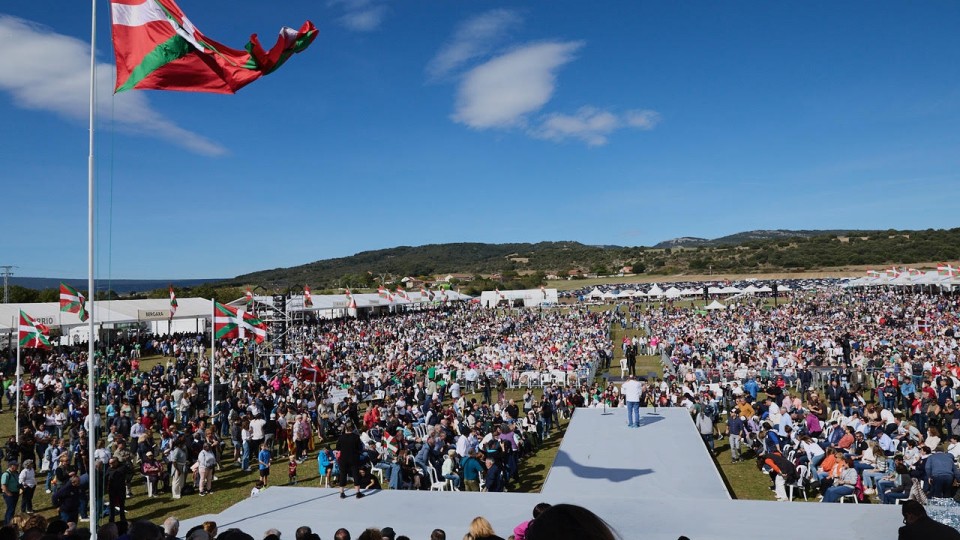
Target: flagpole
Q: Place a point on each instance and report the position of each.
(17, 414)
(93, 510)
(213, 351)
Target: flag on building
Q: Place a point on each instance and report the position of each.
(945, 269)
(72, 301)
(873, 273)
(158, 48)
(232, 323)
(384, 293)
(402, 294)
(893, 272)
(913, 272)
(543, 291)
(173, 303)
(32, 335)
(307, 299)
(248, 296)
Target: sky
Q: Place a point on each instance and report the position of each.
(433, 121)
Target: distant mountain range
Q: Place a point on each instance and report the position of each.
(122, 286)
(760, 234)
(522, 265)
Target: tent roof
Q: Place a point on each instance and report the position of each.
(106, 312)
(715, 305)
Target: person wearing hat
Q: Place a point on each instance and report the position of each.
(10, 484)
(151, 469)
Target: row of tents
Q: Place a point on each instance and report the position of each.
(929, 278)
(656, 292)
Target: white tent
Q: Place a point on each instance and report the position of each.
(595, 294)
(530, 297)
(750, 289)
(715, 305)
(655, 291)
(690, 292)
(730, 290)
(672, 292)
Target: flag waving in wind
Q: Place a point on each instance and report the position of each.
(173, 303)
(158, 48)
(307, 299)
(71, 301)
(32, 335)
(229, 323)
(248, 296)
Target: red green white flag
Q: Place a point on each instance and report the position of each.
(32, 335)
(72, 301)
(158, 48)
(173, 303)
(307, 299)
(231, 323)
(249, 298)
(402, 294)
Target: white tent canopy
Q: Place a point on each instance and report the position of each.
(715, 305)
(530, 297)
(108, 312)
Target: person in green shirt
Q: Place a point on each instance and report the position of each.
(10, 484)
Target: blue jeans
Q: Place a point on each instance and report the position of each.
(11, 501)
(245, 456)
(834, 493)
(871, 477)
(633, 413)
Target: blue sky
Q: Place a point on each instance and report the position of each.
(409, 123)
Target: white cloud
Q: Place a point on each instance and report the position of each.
(502, 91)
(361, 15)
(643, 119)
(474, 38)
(591, 125)
(46, 71)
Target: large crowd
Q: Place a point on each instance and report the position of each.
(849, 393)
(843, 391)
(424, 392)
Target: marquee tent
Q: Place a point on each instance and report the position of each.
(108, 312)
(530, 297)
(715, 305)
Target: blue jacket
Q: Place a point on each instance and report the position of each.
(941, 464)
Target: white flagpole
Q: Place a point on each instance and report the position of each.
(91, 289)
(17, 432)
(213, 352)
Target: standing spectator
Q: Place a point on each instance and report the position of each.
(206, 464)
(117, 489)
(67, 499)
(178, 469)
(10, 484)
(151, 469)
(349, 445)
(28, 484)
(263, 463)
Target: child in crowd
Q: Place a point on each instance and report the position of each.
(292, 470)
(257, 488)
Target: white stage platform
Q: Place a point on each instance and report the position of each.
(655, 482)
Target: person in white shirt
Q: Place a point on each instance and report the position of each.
(631, 390)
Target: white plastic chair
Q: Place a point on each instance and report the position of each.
(435, 484)
(623, 368)
(801, 475)
(852, 497)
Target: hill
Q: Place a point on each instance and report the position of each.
(748, 252)
(741, 237)
(122, 286)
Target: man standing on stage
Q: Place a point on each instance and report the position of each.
(349, 445)
(631, 391)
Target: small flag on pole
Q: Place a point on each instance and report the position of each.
(307, 299)
(173, 303)
(32, 335)
(249, 298)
